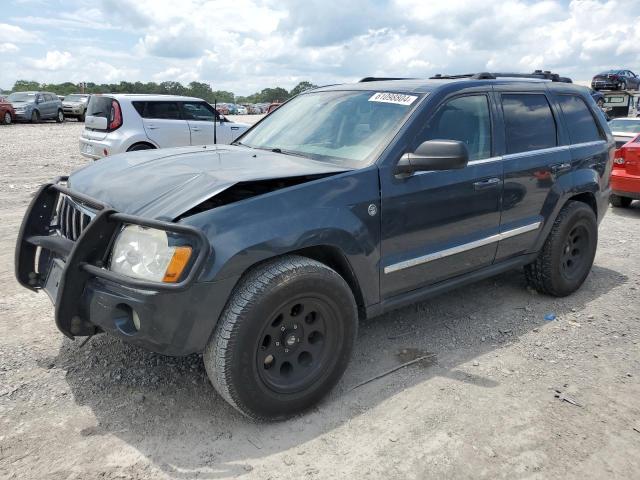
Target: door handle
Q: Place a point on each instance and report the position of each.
(152, 127)
(195, 129)
(560, 167)
(489, 183)
(235, 128)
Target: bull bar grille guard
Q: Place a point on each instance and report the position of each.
(85, 258)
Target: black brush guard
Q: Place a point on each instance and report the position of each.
(85, 258)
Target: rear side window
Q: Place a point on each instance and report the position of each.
(582, 126)
(158, 110)
(466, 119)
(529, 122)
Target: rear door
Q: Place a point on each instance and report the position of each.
(51, 101)
(201, 118)
(534, 163)
(163, 123)
(439, 224)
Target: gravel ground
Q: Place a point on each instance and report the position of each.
(483, 406)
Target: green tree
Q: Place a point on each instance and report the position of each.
(25, 85)
(301, 87)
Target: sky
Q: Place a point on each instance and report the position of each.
(246, 45)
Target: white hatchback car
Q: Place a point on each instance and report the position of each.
(126, 122)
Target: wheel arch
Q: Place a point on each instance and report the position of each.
(141, 142)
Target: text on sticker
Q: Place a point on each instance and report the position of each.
(397, 98)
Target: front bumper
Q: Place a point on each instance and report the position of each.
(625, 184)
(24, 115)
(173, 319)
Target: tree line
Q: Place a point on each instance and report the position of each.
(194, 89)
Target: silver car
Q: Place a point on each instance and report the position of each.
(75, 105)
(126, 122)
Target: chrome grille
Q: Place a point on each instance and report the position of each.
(72, 218)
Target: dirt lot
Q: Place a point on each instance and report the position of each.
(483, 407)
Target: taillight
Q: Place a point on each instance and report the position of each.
(619, 159)
(115, 119)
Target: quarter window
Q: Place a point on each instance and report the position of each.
(529, 123)
(466, 119)
(580, 121)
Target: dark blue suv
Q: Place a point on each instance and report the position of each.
(346, 202)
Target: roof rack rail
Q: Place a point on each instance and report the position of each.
(382, 79)
(539, 74)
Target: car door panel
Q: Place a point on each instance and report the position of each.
(439, 224)
(164, 126)
(200, 117)
(531, 123)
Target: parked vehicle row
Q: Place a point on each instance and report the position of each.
(129, 122)
(36, 106)
(346, 202)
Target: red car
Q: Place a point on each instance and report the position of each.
(625, 176)
(7, 113)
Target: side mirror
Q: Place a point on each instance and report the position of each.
(434, 155)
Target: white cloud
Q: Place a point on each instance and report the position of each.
(247, 45)
(17, 34)
(53, 60)
(8, 48)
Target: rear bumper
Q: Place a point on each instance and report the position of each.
(96, 149)
(173, 319)
(604, 85)
(624, 184)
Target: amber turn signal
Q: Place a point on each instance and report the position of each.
(177, 264)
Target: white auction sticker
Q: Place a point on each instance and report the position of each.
(397, 98)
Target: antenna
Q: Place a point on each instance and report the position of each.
(215, 121)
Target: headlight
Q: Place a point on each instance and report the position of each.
(145, 253)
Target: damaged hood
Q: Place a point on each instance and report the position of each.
(165, 183)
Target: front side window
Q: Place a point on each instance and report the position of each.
(198, 111)
(529, 123)
(466, 119)
(580, 121)
(343, 127)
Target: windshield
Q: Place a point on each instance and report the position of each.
(628, 126)
(75, 98)
(22, 97)
(346, 127)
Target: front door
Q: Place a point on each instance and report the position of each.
(202, 121)
(439, 224)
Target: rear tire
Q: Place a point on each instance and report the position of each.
(567, 255)
(620, 202)
(60, 116)
(35, 117)
(623, 85)
(284, 339)
(140, 146)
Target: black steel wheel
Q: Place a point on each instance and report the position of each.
(574, 252)
(568, 252)
(296, 344)
(284, 339)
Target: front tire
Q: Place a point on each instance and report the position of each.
(284, 339)
(7, 118)
(567, 255)
(60, 116)
(620, 202)
(35, 117)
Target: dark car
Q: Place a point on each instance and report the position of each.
(598, 97)
(616, 80)
(35, 106)
(346, 202)
(7, 113)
